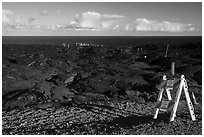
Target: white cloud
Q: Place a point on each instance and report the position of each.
(110, 16)
(128, 27)
(95, 21)
(109, 24)
(14, 23)
(88, 20)
(164, 26)
(6, 16)
(91, 21)
(44, 13)
(10, 20)
(73, 23)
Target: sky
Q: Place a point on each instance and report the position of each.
(101, 19)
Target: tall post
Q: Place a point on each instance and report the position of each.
(167, 48)
(172, 68)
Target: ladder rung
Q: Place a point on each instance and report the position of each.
(164, 110)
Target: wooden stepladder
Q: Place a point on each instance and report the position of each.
(164, 105)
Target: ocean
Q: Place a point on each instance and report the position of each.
(105, 40)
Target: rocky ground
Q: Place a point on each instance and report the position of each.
(127, 118)
(89, 89)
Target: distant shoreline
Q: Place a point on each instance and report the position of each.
(106, 40)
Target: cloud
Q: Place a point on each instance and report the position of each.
(12, 23)
(57, 27)
(44, 13)
(88, 20)
(91, 21)
(128, 28)
(98, 22)
(10, 20)
(109, 25)
(164, 26)
(95, 21)
(6, 16)
(109, 16)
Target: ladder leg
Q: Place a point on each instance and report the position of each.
(168, 93)
(194, 99)
(190, 105)
(156, 113)
(159, 99)
(178, 95)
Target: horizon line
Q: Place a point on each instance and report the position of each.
(107, 36)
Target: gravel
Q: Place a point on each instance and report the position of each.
(99, 118)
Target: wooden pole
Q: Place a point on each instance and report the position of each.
(167, 48)
(172, 68)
